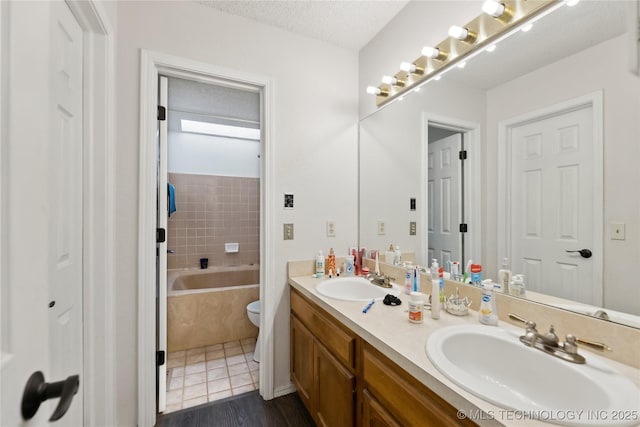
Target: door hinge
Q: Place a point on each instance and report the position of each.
(462, 154)
(161, 235)
(463, 228)
(162, 113)
(160, 359)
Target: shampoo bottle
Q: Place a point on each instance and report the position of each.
(504, 276)
(320, 265)
(488, 314)
(408, 280)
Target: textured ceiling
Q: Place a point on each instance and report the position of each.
(347, 23)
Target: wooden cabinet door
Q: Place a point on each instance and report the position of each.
(302, 358)
(335, 391)
(373, 414)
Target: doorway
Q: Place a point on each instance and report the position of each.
(154, 65)
(452, 183)
(209, 203)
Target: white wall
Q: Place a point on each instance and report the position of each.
(569, 78)
(212, 155)
(315, 139)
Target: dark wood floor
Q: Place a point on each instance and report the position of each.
(247, 410)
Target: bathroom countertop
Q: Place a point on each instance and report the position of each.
(388, 330)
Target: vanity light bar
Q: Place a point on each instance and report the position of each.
(500, 19)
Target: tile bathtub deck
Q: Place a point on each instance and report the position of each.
(206, 374)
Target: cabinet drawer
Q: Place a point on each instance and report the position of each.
(339, 342)
(408, 400)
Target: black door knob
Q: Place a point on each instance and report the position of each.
(37, 391)
(584, 253)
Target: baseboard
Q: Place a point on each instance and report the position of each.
(283, 390)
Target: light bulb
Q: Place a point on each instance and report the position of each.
(436, 78)
(390, 80)
(458, 32)
(462, 64)
(491, 48)
(372, 90)
(408, 67)
(430, 52)
(572, 2)
(526, 28)
(493, 8)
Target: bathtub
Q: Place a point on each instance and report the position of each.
(207, 307)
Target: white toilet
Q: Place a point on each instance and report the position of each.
(253, 311)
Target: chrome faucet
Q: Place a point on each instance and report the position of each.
(550, 344)
(380, 280)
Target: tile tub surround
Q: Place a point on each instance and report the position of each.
(211, 211)
(206, 374)
(208, 318)
(388, 330)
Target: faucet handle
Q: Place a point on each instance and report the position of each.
(573, 340)
(531, 325)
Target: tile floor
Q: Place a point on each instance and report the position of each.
(205, 374)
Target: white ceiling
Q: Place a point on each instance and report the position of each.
(347, 23)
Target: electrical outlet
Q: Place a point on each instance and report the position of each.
(288, 231)
(412, 228)
(617, 231)
(331, 229)
(382, 228)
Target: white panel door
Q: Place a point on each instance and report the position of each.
(552, 205)
(42, 208)
(444, 199)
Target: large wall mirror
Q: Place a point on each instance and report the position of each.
(550, 126)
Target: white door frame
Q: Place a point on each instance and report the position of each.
(98, 374)
(592, 100)
(472, 178)
(151, 65)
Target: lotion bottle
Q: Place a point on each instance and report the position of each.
(504, 276)
(320, 265)
(488, 314)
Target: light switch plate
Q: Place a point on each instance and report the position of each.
(382, 228)
(331, 229)
(288, 201)
(617, 230)
(412, 228)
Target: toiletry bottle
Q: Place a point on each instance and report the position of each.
(441, 283)
(376, 254)
(349, 267)
(516, 287)
(397, 256)
(416, 308)
(408, 280)
(435, 290)
(416, 279)
(504, 276)
(488, 314)
(389, 254)
(476, 275)
(320, 265)
(331, 262)
(354, 253)
(361, 254)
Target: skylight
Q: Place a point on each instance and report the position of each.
(220, 130)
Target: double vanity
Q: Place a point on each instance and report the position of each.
(377, 369)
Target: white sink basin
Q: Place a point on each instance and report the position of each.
(353, 289)
(494, 365)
